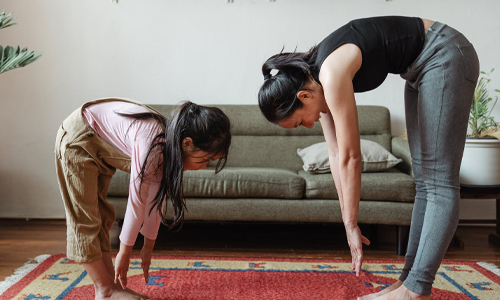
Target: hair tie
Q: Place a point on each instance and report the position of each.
(267, 76)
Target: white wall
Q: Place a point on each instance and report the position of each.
(165, 51)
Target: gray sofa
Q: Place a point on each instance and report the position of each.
(264, 180)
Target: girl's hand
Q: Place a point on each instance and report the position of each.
(122, 262)
(146, 251)
(146, 262)
(356, 241)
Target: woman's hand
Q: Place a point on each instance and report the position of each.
(146, 251)
(356, 241)
(122, 262)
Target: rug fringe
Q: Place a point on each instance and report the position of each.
(21, 272)
(490, 267)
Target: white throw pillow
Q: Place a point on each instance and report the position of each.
(375, 158)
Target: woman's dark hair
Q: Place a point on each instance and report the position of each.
(278, 95)
(208, 127)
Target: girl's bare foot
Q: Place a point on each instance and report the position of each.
(136, 293)
(388, 289)
(402, 293)
(115, 294)
(108, 263)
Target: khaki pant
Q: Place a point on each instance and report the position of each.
(85, 164)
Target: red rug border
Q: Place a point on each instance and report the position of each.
(21, 284)
(45, 265)
(492, 276)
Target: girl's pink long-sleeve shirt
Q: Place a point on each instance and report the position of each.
(133, 139)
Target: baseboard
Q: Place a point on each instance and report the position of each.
(478, 221)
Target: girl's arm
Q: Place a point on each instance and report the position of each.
(152, 220)
(342, 136)
(141, 195)
(146, 254)
(149, 230)
(141, 192)
(122, 262)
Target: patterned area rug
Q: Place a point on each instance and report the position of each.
(173, 277)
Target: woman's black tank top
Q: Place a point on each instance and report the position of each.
(388, 45)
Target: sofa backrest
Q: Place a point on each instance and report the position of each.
(258, 143)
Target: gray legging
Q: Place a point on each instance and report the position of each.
(439, 90)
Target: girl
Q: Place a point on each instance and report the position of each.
(109, 134)
(441, 69)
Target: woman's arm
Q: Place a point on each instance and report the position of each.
(328, 126)
(342, 136)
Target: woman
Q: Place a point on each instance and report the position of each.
(108, 134)
(440, 68)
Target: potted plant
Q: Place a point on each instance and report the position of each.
(481, 159)
(14, 57)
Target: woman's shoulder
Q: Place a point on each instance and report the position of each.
(333, 41)
(345, 61)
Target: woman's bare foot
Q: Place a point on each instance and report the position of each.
(402, 293)
(388, 289)
(115, 294)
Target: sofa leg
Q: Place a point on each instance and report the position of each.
(373, 234)
(403, 233)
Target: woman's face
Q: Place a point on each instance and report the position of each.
(301, 117)
(313, 105)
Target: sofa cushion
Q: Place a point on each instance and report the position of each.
(375, 158)
(234, 182)
(119, 184)
(229, 183)
(289, 210)
(389, 185)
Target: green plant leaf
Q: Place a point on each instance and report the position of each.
(492, 70)
(482, 72)
(6, 24)
(480, 114)
(15, 58)
(5, 20)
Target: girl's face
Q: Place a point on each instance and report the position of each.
(197, 159)
(193, 158)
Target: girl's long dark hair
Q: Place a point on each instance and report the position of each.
(278, 94)
(208, 127)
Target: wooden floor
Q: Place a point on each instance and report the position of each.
(21, 240)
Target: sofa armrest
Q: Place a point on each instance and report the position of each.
(401, 149)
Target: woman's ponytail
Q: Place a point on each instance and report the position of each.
(278, 94)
